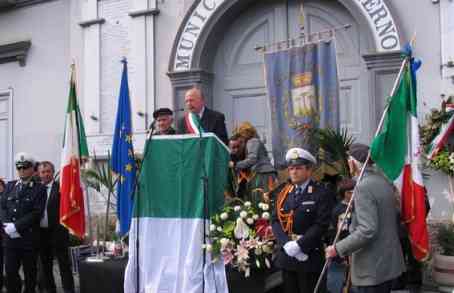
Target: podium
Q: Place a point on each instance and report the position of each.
(181, 186)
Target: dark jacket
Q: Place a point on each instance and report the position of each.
(312, 211)
(60, 234)
(212, 121)
(23, 205)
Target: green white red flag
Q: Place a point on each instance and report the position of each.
(397, 151)
(72, 211)
(446, 130)
(193, 123)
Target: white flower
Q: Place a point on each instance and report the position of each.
(224, 216)
(247, 204)
(260, 204)
(243, 214)
(255, 217)
(265, 207)
(224, 242)
(219, 229)
(250, 221)
(209, 247)
(266, 215)
(236, 208)
(241, 230)
(212, 227)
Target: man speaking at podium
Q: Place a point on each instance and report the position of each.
(212, 121)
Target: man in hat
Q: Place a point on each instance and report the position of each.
(301, 215)
(21, 207)
(374, 243)
(163, 119)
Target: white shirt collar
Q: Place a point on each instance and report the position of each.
(201, 112)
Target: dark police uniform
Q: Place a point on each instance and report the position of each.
(22, 204)
(310, 210)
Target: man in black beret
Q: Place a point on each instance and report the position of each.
(163, 119)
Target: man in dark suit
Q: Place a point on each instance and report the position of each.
(54, 237)
(300, 217)
(22, 204)
(212, 121)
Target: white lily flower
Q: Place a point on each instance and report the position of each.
(266, 215)
(212, 227)
(247, 204)
(243, 214)
(236, 208)
(224, 216)
(241, 230)
(250, 221)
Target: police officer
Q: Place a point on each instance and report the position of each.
(21, 207)
(300, 217)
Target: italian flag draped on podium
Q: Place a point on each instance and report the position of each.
(171, 213)
(72, 213)
(397, 151)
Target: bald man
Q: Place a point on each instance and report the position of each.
(212, 121)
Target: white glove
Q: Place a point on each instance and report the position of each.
(292, 248)
(10, 229)
(301, 256)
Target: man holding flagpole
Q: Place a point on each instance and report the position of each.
(123, 163)
(374, 244)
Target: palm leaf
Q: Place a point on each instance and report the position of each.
(333, 147)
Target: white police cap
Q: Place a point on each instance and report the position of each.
(21, 158)
(299, 156)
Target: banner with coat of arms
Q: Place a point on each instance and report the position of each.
(303, 92)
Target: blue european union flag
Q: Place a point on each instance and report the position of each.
(123, 163)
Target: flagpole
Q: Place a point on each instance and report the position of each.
(380, 125)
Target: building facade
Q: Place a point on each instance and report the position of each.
(172, 44)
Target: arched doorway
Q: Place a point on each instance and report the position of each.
(215, 46)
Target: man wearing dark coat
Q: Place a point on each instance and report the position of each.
(212, 121)
(54, 236)
(21, 207)
(301, 216)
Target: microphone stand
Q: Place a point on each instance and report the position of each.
(137, 186)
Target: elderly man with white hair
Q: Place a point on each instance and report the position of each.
(21, 207)
(373, 242)
(301, 215)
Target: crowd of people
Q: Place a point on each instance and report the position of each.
(368, 254)
(32, 235)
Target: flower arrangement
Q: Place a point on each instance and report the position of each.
(443, 160)
(241, 234)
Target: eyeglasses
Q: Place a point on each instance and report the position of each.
(23, 167)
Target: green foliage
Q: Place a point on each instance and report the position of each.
(333, 146)
(445, 238)
(100, 175)
(443, 161)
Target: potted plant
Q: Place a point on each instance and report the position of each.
(241, 235)
(443, 263)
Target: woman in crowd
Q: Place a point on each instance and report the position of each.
(256, 166)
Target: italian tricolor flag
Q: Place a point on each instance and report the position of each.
(441, 138)
(72, 214)
(397, 151)
(171, 216)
